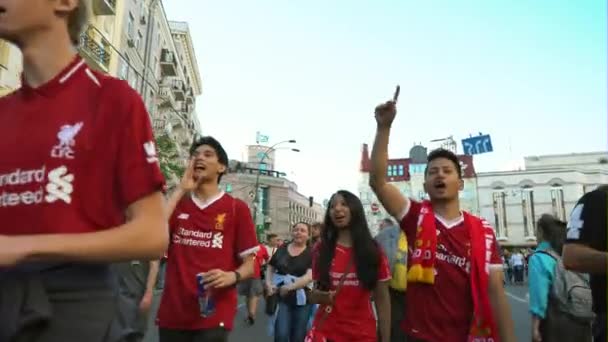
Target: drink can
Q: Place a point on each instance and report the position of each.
(205, 300)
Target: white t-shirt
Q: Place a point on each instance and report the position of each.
(517, 259)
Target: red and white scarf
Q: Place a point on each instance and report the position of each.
(422, 268)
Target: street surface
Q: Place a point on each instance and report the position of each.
(517, 296)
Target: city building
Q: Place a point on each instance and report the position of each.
(514, 200)
(281, 205)
(158, 60)
(10, 67)
(407, 174)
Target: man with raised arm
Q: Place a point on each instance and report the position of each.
(455, 280)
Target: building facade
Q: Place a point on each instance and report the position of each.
(281, 205)
(10, 67)
(133, 40)
(513, 201)
(407, 174)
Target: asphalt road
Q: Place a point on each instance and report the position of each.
(257, 333)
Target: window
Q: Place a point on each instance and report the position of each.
(393, 170)
(138, 41)
(123, 73)
(557, 202)
(527, 205)
(401, 170)
(130, 25)
(500, 213)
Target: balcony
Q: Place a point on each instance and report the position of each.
(159, 125)
(104, 7)
(177, 122)
(179, 90)
(186, 141)
(166, 96)
(189, 96)
(96, 52)
(168, 64)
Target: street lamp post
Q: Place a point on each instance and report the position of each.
(256, 197)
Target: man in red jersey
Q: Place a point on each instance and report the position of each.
(80, 185)
(212, 234)
(444, 295)
(253, 288)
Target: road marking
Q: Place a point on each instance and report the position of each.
(519, 299)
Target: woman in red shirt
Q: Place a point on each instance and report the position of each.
(347, 247)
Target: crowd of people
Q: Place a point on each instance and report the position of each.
(84, 207)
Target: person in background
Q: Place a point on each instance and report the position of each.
(517, 262)
(272, 245)
(586, 249)
(388, 239)
(137, 281)
(508, 267)
(289, 273)
(548, 323)
(315, 233)
(253, 288)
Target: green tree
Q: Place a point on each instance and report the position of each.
(170, 164)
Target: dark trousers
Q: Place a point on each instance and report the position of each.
(397, 315)
(599, 328)
(77, 316)
(519, 274)
(207, 335)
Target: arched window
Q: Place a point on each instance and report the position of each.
(500, 212)
(527, 206)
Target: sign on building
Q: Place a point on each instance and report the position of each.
(477, 145)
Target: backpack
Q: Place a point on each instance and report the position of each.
(399, 277)
(570, 291)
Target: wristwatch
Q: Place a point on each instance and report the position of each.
(237, 277)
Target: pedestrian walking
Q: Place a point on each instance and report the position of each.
(213, 244)
(455, 279)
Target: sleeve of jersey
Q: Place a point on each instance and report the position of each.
(409, 219)
(384, 271)
(263, 253)
(245, 239)
(138, 167)
(587, 219)
(495, 258)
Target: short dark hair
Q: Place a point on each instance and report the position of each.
(603, 187)
(443, 153)
(271, 236)
(553, 231)
(222, 156)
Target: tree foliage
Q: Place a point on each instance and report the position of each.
(170, 163)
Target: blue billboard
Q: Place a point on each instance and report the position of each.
(477, 145)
